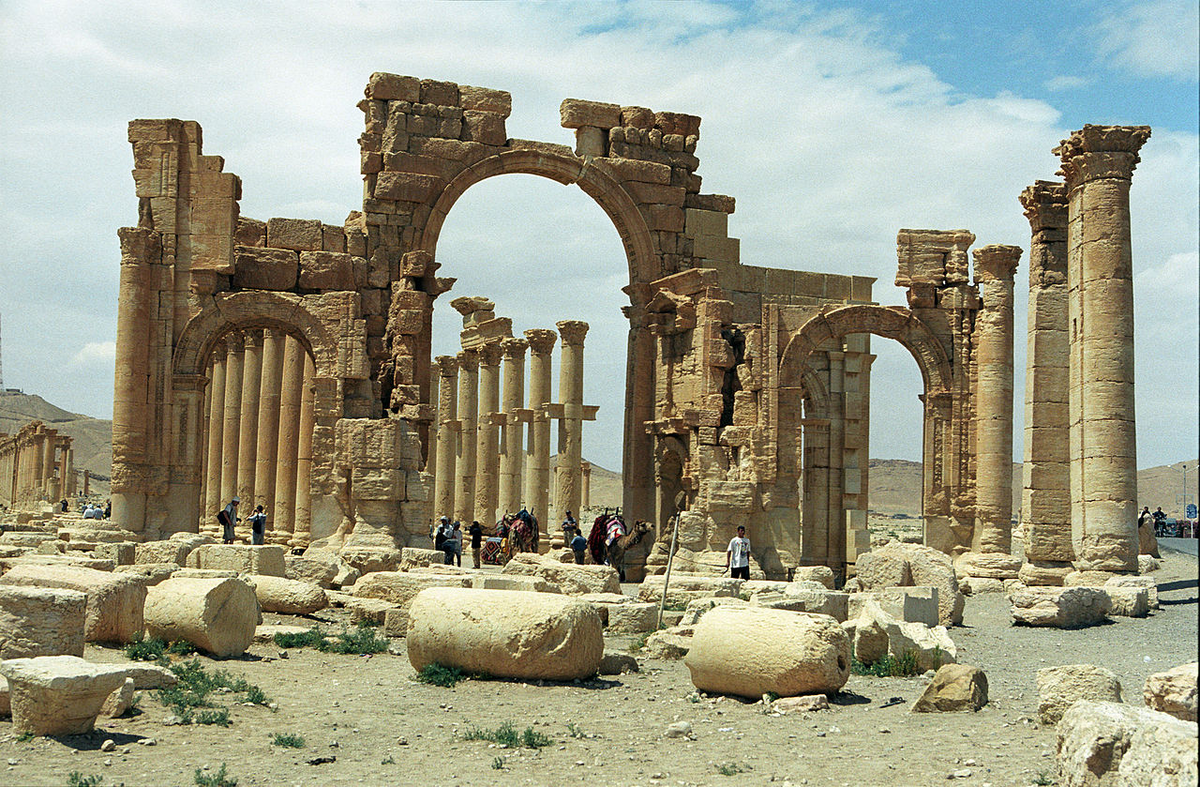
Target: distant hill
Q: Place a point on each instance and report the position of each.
(91, 438)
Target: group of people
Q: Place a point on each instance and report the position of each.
(91, 511)
(227, 517)
(448, 537)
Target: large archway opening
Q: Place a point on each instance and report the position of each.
(544, 253)
(895, 474)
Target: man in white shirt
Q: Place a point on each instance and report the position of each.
(737, 556)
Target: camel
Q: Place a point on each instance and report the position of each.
(619, 545)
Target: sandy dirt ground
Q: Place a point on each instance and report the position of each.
(383, 728)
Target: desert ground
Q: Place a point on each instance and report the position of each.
(366, 721)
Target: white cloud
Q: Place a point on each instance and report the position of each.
(1065, 82)
(1157, 38)
(95, 353)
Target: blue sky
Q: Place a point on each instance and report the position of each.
(833, 124)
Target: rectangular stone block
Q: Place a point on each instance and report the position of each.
(267, 559)
(37, 621)
(115, 602)
(326, 270)
(257, 268)
(406, 187)
(295, 234)
(576, 113)
(385, 87)
(484, 99)
(483, 127)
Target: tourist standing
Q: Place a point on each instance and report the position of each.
(570, 528)
(579, 547)
(476, 532)
(227, 518)
(456, 535)
(737, 555)
(258, 526)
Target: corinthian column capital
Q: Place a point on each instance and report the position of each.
(1045, 204)
(996, 262)
(1096, 152)
(572, 331)
(541, 340)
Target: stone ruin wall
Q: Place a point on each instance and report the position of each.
(37, 466)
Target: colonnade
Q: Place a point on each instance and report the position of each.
(486, 462)
(36, 465)
(259, 413)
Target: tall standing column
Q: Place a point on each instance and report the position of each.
(585, 494)
(289, 442)
(216, 434)
(991, 542)
(464, 460)
(48, 465)
(303, 528)
(512, 443)
(265, 457)
(248, 437)
(1098, 162)
(537, 452)
(487, 447)
(37, 478)
(570, 428)
(233, 421)
(444, 479)
(1046, 487)
(835, 536)
(69, 473)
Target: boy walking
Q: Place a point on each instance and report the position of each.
(737, 556)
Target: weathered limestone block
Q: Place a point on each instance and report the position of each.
(1161, 754)
(799, 599)
(216, 615)
(669, 643)
(121, 553)
(114, 601)
(1087, 579)
(318, 566)
(1128, 602)
(366, 560)
(149, 573)
(572, 580)
(505, 634)
(576, 113)
(265, 269)
(752, 651)
(412, 557)
(266, 559)
(954, 687)
(1173, 691)
(898, 565)
(751, 586)
(40, 622)
(401, 587)
(1126, 581)
(1058, 687)
(1043, 572)
(1093, 738)
(697, 608)
(513, 582)
(119, 701)
(326, 270)
(1147, 564)
(974, 586)
(395, 623)
(822, 574)
(615, 663)
(1147, 541)
(287, 596)
(634, 618)
(1060, 607)
(5, 698)
(932, 646)
(906, 604)
(173, 550)
(295, 234)
(370, 610)
(150, 676)
(267, 632)
(58, 695)
(686, 588)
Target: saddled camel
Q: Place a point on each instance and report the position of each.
(619, 545)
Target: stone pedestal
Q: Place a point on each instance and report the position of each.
(1045, 499)
(1098, 163)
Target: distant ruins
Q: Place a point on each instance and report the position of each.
(289, 361)
(36, 466)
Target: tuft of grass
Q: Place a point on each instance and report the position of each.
(25, 737)
(732, 768)
(361, 640)
(902, 666)
(506, 735)
(305, 639)
(218, 779)
(287, 741)
(638, 644)
(498, 764)
(438, 675)
(219, 717)
(77, 779)
(575, 731)
(194, 691)
(1044, 779)
(157, 650)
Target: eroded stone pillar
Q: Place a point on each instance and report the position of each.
(216, 434)
(537, 452)
(303, 521)
(487, 447)
(271, 384)
(444, 477)
(585, 486)
(1098, 163)
(991, 543)
(1046, 487)
(37, 476)
(248, 435)
(46, 489)
(511, 443)
(570, 428)
(835, 536)
(464, 460)
(69, 473)
(230, 448)
(291, 396)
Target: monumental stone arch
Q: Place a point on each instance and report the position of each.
(747, 387)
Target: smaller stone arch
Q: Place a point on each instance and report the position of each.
(257, 309)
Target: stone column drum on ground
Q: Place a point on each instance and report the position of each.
(487, 447)
(537, 453)
(1098, 163)
(444, 481)
(464, 460)
(995, 267)
(1046, 494)
(511, 444)
(570, 429)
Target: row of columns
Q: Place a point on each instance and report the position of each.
(36, 464)
(486, 462)
(259, 412)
